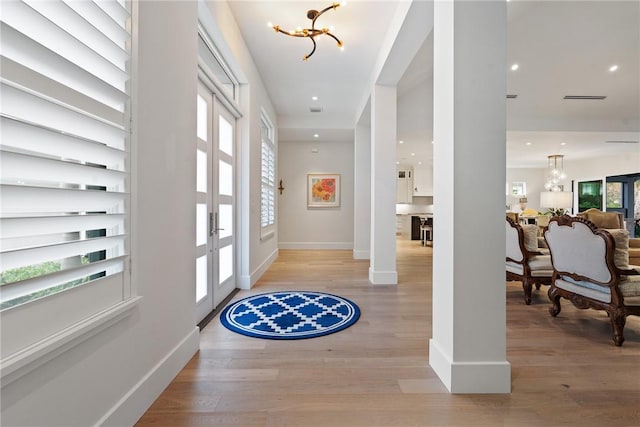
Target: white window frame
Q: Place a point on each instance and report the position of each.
(81, 38)
(267, 178)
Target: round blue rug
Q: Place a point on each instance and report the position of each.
(290, 315)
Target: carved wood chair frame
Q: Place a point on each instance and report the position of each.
(528, 281)
(616, 309)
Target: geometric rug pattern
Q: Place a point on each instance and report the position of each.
(290, 315)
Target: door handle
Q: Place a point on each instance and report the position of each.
(213, 224)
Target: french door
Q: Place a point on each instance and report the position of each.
(215, 202)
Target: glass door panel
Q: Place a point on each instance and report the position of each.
(203, 240)
(225, 220)
(224, 229)
(226, 178)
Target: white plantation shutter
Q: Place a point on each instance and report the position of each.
(268, 176)
(65, 71)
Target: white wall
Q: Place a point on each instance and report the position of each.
(599, 168)
(114, 376)
(535, 179)
(314, 228)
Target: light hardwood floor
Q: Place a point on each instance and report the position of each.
(565, 371)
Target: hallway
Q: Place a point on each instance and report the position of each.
(376, 373)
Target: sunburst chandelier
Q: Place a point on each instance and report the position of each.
(312, 32)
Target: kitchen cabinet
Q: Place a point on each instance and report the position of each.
(404, 186)
(423, 181)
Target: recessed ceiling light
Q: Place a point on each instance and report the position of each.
(563, 143)
(613, 68)
(315, 135)
(527, 143)
(400, 142)
(514, 67)
(432, 142)
(315, 98)
(397, 163)
(419, 163)
(413, 154)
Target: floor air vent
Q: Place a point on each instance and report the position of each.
(315, 109)
(512, 96)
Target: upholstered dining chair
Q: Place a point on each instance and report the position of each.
(591, 269)
(525, 262)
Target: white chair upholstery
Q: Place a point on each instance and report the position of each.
(586, 274)
(524, 262)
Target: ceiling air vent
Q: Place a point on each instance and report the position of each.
(585, 97)
(315, 109)
(621, 142)
(512, 96)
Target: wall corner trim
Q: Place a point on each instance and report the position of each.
(247, 281)
(139, 398)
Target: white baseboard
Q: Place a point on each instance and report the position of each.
(247, 281)
(361, 254)
(470, 377)
(383, 277)
(315, 245)
(136, 401)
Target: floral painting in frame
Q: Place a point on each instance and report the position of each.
(323, 190)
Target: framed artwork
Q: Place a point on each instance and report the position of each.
(589, 195)
(323, 190)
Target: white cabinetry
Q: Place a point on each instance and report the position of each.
(404, 186)
(423, 181)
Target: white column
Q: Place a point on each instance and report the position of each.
(382, 269)
(362, 193)
(468, 348)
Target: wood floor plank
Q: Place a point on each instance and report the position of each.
(565, 370)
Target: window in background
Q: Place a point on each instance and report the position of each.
(518, 188)
(268, 177)
(217, 66)
(615, 195)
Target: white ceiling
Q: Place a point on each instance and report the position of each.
(562, 48)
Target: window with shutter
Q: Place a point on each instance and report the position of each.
(268, 177)
(65, 135)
